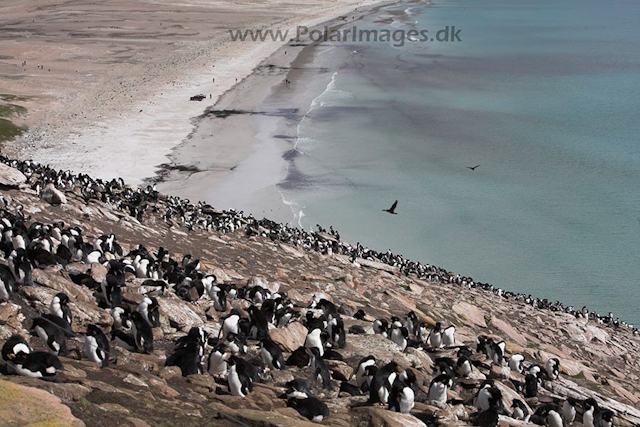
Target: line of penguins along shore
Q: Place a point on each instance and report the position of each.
(179, 212)
(41, 246)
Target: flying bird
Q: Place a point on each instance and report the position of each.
(392, 209)
(472, 168)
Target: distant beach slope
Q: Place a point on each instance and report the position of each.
(106, 85)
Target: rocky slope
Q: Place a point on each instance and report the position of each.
(597, 361)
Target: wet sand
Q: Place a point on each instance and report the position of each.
(237, 155)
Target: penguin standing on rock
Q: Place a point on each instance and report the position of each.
(569, 410)
(217, 362)
(314, 340)
(150, 310)
(449, 336)
(399, 335)
(240, 383)
(519, 411)
(464, 366)
(530, 386)
(592, 415)
(434, 340)
(439, 387)
(7, 284)
(359, 371)
(96, 346)
(553, 368)
(381, 383)
(142, 333)
(515, 363)
(60, 307)
(381, 326)
(52, 335)
(490, 416)
(319, 368)
(401, 398)
(271, 354)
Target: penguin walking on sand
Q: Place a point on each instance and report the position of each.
(52, 335)
(382, 382)
(38, 364)
(401, 398)
(439, 387)
(569, 410)
(311, 408)
(240, 383)
(271, 354)
(16, 347)
(142, 333)
(96, 346)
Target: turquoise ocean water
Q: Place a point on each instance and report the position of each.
(544, 95)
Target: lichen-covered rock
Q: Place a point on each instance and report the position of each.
(17, 405)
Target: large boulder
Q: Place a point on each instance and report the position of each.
(10, 177)
(18, 406)
(290, 337)
(54, 196)
(383, 418)
(178, 314)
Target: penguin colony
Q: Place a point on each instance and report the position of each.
(179, 212)
(229, 356)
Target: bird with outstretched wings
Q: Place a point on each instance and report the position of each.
(392, 209)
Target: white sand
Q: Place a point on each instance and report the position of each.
(122, 120)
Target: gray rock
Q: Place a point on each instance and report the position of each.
(54, 196)
(10, 177)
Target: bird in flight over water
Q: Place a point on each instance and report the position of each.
(472, 168)
(392, 209)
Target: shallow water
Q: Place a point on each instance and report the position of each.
(545, 96)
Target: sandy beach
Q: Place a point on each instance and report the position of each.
(107, 84)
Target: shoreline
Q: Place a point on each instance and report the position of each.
(252, 132)
(148, 120)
